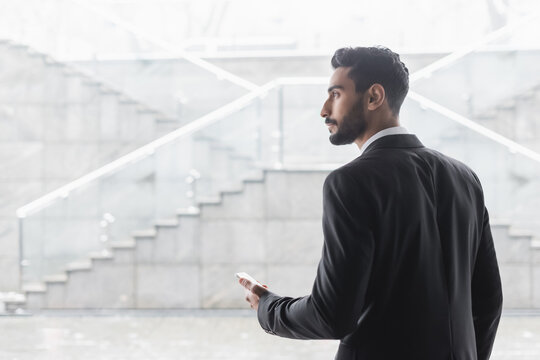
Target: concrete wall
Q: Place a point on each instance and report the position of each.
(272, 230)
(55, 126)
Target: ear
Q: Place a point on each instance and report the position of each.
(375, 96)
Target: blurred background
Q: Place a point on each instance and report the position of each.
(144, 145)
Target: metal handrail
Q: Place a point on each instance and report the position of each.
(260, 91)
(237, 105)
(474, 126)
(147, 149)
(428, 70)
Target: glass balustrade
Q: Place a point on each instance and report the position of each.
(280, 128)
(493, 77)
(159, 183)
(511, 180)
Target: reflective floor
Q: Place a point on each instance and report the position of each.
(195, 335)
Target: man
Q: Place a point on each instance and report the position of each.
(408, 268)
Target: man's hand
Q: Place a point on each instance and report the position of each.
(253, 292)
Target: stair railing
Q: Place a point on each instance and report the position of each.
(279, 99)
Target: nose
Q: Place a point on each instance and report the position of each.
(324, 111)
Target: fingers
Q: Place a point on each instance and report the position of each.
(252, 299)
(245, 283)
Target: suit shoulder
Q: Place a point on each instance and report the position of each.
(450, 164)
(348, 174)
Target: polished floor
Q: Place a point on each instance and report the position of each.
(196, 335)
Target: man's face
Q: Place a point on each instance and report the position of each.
(343, 109)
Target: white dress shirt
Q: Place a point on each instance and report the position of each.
(396, 130)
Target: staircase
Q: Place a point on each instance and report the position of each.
(517, 117)
(269, 228)
(189, 261)
(57, 124)
(187, 258)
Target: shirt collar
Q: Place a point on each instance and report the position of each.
(395, 130)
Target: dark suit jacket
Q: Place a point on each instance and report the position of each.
(408, 267)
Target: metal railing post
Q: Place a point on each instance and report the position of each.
(280, 127)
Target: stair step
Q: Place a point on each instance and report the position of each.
(123, 244)
(222, 148)
(12, 297)
(91, 82)
(241, 157)
(33, 53)
(101, 255)
(166, 120)
(34, 287)
(144, 233)
(127, 100)
(232, 190)
(209, 200)
(520, 233)
(526, 95)
(204, 138)
(510, 104)
(52, 62)
(166, 222)
(489, 114)
(499, 223)
(254, 179)
(108, 91)
(79, 265)
(58, 278)
(190, 211)
(146, 110)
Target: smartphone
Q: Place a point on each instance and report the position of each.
(248, 277)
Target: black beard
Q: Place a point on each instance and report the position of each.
(353, 125)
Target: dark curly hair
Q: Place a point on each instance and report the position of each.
(375, 65)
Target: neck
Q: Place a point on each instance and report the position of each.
(361, 140)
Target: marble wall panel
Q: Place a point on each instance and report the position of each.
(168, 286)
(16, 193)
(175, 245)
(9, 273)
(124, 256)
(513, 250)
(32, 121)
(55, 297)
(106, 286)
(296, 195)
(249, 204)
(81, 123)
(516, 281)
(109, 125)
(294, 242)
(232, 241)
(21, 160)
(127, 121)
(69, 160)
(175, 160)
(172, 195)
(536, 286)
(9, 125)
(73, 239)
(220, 287)
(9, 231)
(291, 280)
(55, 87)
(35, 301)
(128, 199)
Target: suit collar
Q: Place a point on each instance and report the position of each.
(394, 141)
